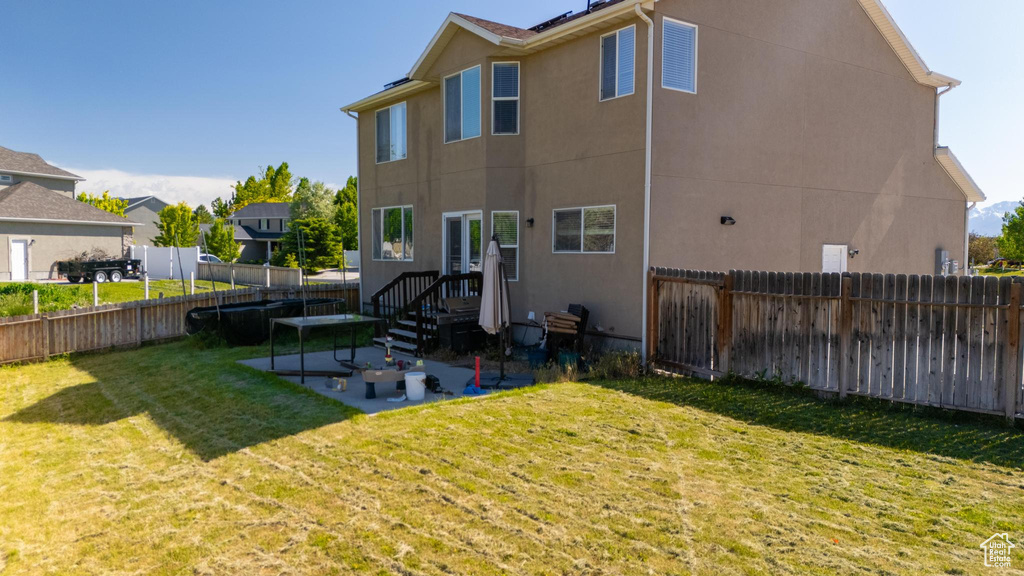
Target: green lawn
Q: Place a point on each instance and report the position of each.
(174, 459)
(16, 297)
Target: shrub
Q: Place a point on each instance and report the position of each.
(15, 304)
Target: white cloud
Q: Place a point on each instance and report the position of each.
(194, 190)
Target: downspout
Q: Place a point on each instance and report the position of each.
(967, 237)
(647, 173)
(967, 213)
(359, 219)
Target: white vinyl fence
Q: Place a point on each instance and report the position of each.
(167, 263)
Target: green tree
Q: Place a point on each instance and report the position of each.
(981, 249)
(322, 242)
(221, 209)
(347, 215)
(105, 202)
(274, 186)
(1011, 242)
(178, 226)
(220, 241)
(203, 215)
(312, 201)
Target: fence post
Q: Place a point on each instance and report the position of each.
(145, 278)
(652, 315)
(192, 283)
(1011, 387)
(95, 293)
(845, 334)
(35, 301)
(46, 338)
(268, 276)
(138, 326)
(232, 276)
(725, 324)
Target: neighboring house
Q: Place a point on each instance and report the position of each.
(259, 228)
(17, 167)
(145, 209)
(39, 227)
(601, 143)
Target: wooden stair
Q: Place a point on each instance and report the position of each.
(403, 333)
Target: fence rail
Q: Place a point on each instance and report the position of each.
(942, 341)
(39, 336)
(250, 274)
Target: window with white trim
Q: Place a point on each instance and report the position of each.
(588, 230)
(618, 51)
(391, 233)
(461, 93)
(391, 135)
(679, 56)
(505, 224)
(6, 178)
(264, 224)
(505, 98)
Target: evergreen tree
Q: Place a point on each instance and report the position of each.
(220, 241)
(347, 215)
(203, 215)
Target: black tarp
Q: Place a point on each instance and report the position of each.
(246, 324)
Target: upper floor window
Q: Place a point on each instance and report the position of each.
(586, 230)
(617, 63)
(505, 96)
(391, 233)
(505, 225)
(6, 178)
(391, 141)
(264, 224)
(679, 56)
(462, 105)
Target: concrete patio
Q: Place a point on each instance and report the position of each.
(452, 379)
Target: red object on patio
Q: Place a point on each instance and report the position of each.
(477, 371)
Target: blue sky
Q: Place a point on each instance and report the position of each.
(182, 98)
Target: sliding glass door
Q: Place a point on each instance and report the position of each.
(463, 242)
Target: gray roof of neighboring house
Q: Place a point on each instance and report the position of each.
(32, 202)
(28, 163)
(133, 202)
(243, 233)
(264, 210)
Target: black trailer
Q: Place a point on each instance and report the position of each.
(101, 271)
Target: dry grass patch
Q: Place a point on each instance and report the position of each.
(171, 459)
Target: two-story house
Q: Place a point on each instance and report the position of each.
(259, 228)
(41, 223)
(145, 209)
(790, 135)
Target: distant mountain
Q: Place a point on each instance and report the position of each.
(988, 220)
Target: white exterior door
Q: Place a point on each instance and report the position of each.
(19, 260)
(833, 258)
(463, 242)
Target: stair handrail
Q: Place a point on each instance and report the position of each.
(397, 294)
(473, 283)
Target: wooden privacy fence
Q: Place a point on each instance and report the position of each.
(943, 341)
(250, 274)
(39, 336)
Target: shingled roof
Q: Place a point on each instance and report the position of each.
(33, 164)
(31, 202)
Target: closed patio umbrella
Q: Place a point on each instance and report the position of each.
(494, 315)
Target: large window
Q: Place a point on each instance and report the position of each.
(391, 233)
(584, 230)
(617, 63)
(391, 141)
(505, 224)
(462, 105)
(679, 56)
(505, 96)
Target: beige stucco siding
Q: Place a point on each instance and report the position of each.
(807, 129)
(572, 151)
(55, 242)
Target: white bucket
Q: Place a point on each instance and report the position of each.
(415, 385)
